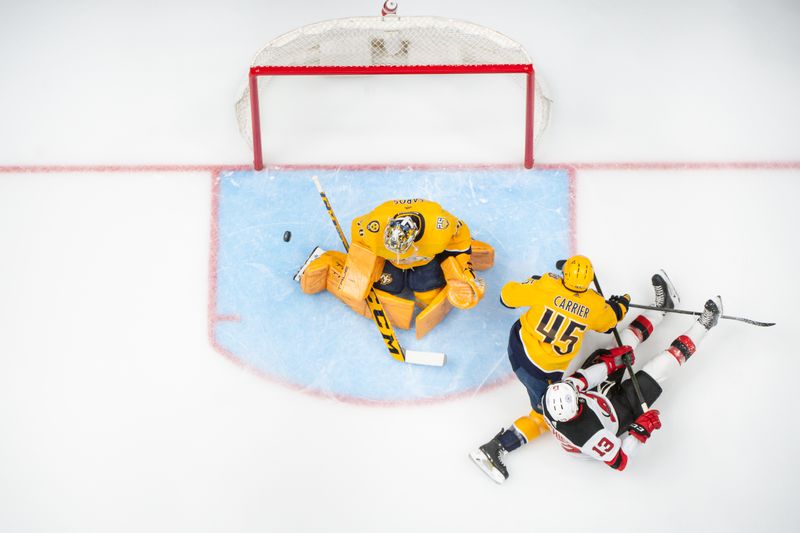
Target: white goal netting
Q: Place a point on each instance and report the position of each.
(387, 46)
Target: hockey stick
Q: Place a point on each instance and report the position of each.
(376, 309)
(626, 359)
(697, 313)
(560, 265)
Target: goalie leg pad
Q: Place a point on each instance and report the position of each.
(482, 255)
(433, 314)
(399, 310)
(361, 268)
(314, 276)
(335, 262)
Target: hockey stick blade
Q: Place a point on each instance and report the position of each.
(697, 313)
(425, 358)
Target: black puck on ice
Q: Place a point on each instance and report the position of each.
(287, 236)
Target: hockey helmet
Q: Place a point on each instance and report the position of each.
(578, 273)
(561, 401)
(400, 234)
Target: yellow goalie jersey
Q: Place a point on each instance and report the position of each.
(554, 326)
(439, 231)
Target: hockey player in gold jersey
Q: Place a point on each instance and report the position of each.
(594, 412)
(560, 310)
(549, 334)
(400, 246)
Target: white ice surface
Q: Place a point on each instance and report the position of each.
(117, 415)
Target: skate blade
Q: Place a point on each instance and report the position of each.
(483, 463)
(315, 253)
(673, 294)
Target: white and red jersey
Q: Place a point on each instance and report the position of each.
(593, 431)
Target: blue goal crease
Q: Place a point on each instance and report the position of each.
(315, 342)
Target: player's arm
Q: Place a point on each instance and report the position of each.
(461, 240)
(612, 312)
(606, 362)
(515, 294)
(464, 289)
(607, 447)
(637, 434)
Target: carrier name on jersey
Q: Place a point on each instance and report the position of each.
(570, 306)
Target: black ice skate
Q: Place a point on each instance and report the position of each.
(315, 253)
(711, 312)
(666, 295)
(489, 458)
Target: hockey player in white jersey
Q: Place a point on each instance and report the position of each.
(593, 412)
(595, 417)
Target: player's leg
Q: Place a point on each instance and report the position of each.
(534, 379)
(392, 279)
(313, 275)
(626, 402)
(489, 457)
(428, 283)
(642, 326)
(325, 271)
(662, 366)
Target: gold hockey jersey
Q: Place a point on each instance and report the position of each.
(439, 231)
(554, 326)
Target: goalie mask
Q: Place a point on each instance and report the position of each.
(400, 234)
(561, 401)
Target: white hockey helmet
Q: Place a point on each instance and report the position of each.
(400, 234)
(561, 401)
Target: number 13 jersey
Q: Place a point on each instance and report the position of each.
(553, 328)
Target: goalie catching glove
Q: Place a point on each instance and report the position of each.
(464, 290)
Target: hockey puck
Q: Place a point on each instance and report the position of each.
(287, 236)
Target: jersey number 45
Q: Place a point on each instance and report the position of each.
(559, 331)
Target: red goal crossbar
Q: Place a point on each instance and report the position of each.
(257, 71)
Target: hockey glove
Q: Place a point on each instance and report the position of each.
(645, 425)
(614, 358)
(464, 290)
(620, 305)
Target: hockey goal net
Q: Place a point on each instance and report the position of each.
(366, 48)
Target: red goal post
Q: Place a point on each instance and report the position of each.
(391, 46)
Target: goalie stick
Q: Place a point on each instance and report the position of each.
(376, 309)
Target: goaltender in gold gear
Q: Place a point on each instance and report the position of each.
(410, 251)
